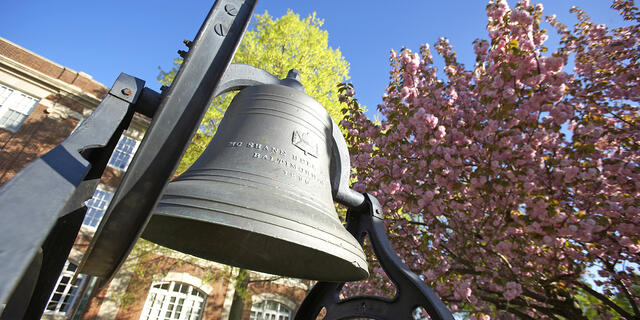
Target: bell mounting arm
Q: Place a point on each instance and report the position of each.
(341, 172)
(411, 291)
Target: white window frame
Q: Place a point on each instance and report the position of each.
(66, 291)
(15, 101)
(96, 207)
(270, 310)
(120, 153)
(173, 300)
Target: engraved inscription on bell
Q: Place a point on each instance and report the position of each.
(293, 166)
(302, 141)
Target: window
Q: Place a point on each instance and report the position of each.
(173, 300)
(123, 153)
(15, 107)
(96, 207)
(66, 291)
(270, 310)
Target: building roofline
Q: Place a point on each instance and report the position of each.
(45, 59)
(48, 68)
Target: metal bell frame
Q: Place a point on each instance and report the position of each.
(39, 237)
(411, 292)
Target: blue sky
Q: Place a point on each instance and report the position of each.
(104, 38)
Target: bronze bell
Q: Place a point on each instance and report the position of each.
(260, 196)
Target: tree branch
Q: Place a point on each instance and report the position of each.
(505, 306)
(625, 290)
(604, 299)
(265, 280)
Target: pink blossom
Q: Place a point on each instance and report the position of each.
(427, 197)
(497, 11)
(392, 188)
(481, 47)
(553, 64)
(512, 290)
(598, 31)
(450, 70)
(430, 120)
(521, 16)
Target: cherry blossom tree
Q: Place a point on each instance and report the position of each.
(505, 183)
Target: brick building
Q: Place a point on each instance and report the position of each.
(41, 103)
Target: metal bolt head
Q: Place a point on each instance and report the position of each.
(230, 9)
(220, 29)
(126, 91)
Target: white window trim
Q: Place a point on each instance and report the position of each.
(187, 278)
(257, 298)
(133, 152)
(169, 293)
(5, 107)
(68, 287)
(264, 297)
(90, 227)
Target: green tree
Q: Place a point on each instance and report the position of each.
(277, 45)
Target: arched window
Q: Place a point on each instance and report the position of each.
(270, 310)
(173, 300)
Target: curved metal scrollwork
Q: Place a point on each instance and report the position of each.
(411, 291)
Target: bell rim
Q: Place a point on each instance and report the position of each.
(207, 215)
(338, 255)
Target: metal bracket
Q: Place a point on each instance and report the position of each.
(411, 291)
(341, 172)
(239, 76)
(62, 180)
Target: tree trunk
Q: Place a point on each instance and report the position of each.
(239, 295)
